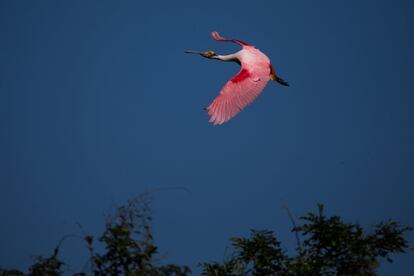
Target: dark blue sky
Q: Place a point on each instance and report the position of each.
(98, 103)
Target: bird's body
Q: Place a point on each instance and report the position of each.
(255, 72)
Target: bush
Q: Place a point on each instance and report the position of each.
(329, 247)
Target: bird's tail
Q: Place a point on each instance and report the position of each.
(275, 78)
(281, 81)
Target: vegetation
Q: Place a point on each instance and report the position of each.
(129, 247)
(329, 247)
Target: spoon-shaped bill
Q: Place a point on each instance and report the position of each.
(193, 52)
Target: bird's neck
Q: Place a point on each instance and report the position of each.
(231, 57)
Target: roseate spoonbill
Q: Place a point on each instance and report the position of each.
(256, 70)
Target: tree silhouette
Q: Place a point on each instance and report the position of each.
(329, 247)
(129, 247)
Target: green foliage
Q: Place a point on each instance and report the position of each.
(50, 266)
(330, 247)
(261, 255)
(129, 247)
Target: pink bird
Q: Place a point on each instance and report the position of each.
(256, 70)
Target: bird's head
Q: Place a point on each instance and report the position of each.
(206, 54)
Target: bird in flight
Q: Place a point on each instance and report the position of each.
(255, 72)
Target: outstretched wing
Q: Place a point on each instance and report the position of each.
(216, 36)
(237, 93)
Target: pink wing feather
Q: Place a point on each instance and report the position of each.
(216, 36)
(243, 88)
(237, 93)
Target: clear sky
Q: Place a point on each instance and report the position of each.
(98, 103)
